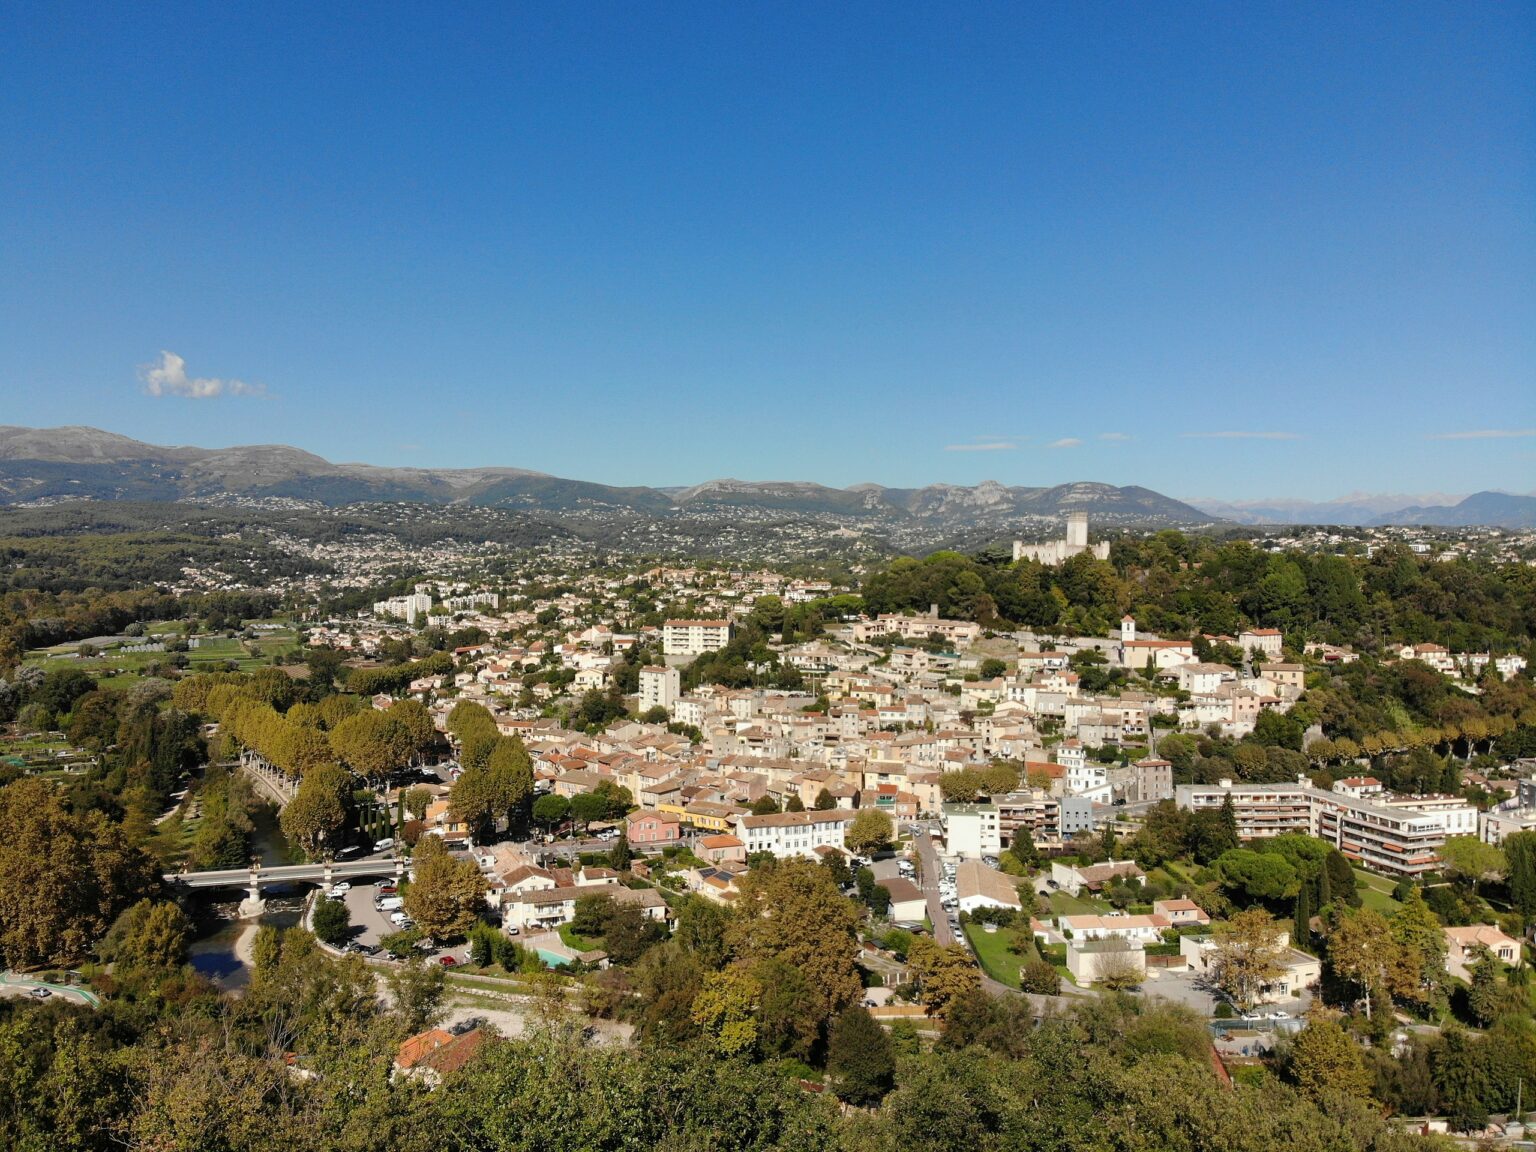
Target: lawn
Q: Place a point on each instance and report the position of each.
(574, 939)
(992, 950)
(1376, 892)
(1063, 904)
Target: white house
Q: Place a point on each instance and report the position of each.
(977, 886)
(793, 833)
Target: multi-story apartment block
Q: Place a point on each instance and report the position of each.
(1152, 779)
(694, 637)
(1398, 835)
(972, 830)
(1261, 810)
(406, 607)
(659, 687)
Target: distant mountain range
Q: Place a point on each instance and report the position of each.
(77, 462)
(1492, 509)
(51, 464)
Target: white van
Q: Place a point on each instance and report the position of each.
(389, 903)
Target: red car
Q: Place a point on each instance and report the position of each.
(447, 961)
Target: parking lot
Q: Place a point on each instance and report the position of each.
(369, 924)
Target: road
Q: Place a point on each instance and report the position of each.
(377, 865)
(13, 984)
(932, 871)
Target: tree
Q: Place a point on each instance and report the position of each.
(860, 1059)
(824, 801)
(479, 798)
(945, 974)
(368, 744)
(791, 910)
(1247, 955)
(1258, 875)
(1469, 861)
(1520, 863)
(1461, 1075)
(1361, 950)
(1338, 880)
(725, 1009)
(1418, 971)
(764, 806)
(1301, 930)
(870, 832)
(512, 770)
(550, 810)
(1486, 996)
(1325, 1059)
(587, 807)
(416, 989)
(64, 877)
(331, 921)
(1118, 966)
(794, 803)
(151, 936)
(1040, 978)
(318, 810)
(446, 895)
(619, 855)
(416, 801)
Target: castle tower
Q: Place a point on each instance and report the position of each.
(1077, 532)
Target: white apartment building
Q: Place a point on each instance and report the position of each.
(972, 830)
(793, 833)
(659, 687)
(694, 637)
(1396, 835)
(406, 607)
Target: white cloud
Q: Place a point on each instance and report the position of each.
(1065, 442)
(1117, 437)
(983, 446)
(1486, 434)
(1239, 436)
(169, 378)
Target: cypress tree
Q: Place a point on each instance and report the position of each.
(1301, 937)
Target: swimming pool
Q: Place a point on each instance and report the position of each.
(552, 959)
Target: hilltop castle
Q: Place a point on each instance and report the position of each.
(1059, 551)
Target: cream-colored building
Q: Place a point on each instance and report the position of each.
(694, 637)
(659, 687)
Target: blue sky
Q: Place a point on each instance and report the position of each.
(1218, 250)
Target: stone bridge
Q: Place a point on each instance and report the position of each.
(254, 878)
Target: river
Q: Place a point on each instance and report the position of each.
(221, 947)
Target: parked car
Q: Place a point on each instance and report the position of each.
(398, 917)
(469, 1025)
(368, 949)
(447, 961)
(512, 930)
(341, 886)
(385, 883)
(388, 890)
(40, 993)
(407, 924)
(384, 845)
